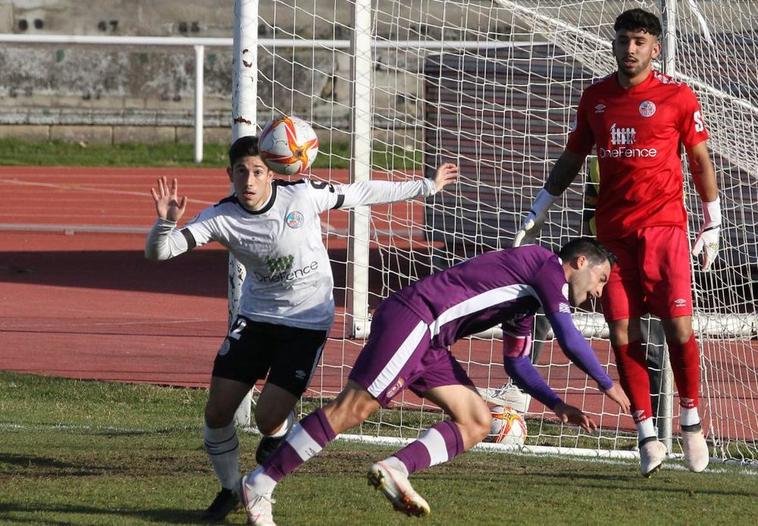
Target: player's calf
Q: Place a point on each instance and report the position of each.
(266, 446)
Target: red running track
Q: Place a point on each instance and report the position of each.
(78, 299)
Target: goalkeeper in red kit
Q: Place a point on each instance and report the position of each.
(639, 120)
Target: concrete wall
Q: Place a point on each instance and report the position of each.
(118, 94)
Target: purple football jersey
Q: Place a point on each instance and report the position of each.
(500, 287)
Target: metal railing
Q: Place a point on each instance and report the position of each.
(200, 43)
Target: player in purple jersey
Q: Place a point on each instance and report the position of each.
(408, 349)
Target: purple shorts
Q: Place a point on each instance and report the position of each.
(399, 355)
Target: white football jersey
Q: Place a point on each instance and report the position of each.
(288, 276)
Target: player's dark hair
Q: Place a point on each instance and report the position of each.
(639, 20)
(243, 147)
(588, 247)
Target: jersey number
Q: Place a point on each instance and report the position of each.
(699, 124)
(237, 328)
(320, 185)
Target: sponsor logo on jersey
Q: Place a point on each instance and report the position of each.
(300, 374)
(280, 264)
(287, 274)
(620, 138)
(622, 135)
(294, 219)
(680, 303)
(620, 152)
(647, 108)
(600, 108)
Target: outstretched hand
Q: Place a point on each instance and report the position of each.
(568, 414)
(167, 204)
(527, 232)
(446, 173)
(532, 223)
(618, 395)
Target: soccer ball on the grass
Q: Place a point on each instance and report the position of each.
(288, 145)
(506, 427)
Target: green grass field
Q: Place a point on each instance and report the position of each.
(14, 152)
(91, 453)
(82, 452)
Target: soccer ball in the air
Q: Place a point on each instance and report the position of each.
(288, 145)
(506, 427)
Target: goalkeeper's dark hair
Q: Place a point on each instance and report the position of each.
(639, 20)
(588, 247)
(243, 147)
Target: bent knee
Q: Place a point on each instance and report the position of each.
(680, 336)
(354, 415)
(482, 427)
(349, 412)
(678, 331)
(216, 417)
(476, 427)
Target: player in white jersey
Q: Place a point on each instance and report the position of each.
(272, 228)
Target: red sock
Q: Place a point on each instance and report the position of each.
(630, 360)
(685, 364)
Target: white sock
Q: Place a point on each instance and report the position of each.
(285, 427)
(223, 450)
(396, 464)
(646, 429)
(688, 416)
(264, 485)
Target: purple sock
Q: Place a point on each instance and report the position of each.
(307, 438)
(438, 444)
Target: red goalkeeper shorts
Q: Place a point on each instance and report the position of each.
(652, 275)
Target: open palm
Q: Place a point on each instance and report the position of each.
(167, 204)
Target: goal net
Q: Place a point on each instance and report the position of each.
(492, 86)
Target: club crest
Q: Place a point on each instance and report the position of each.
(294, 219)
(647, 108)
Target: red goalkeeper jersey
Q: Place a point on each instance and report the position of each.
(638, 134)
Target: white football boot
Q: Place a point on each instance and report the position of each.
(695, 450)
(398, 490)
(652, 455)
(509, 395)
(257, 507)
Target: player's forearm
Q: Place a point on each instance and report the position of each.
(523, 373)
(377, 192)
(164, 242)
(705, 179)
(564, 172)
(703, 173)
(577, 349)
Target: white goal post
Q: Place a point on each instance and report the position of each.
(395, 87)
